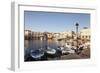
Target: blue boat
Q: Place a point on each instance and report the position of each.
(37, 54)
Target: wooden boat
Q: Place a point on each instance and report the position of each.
(37, 54)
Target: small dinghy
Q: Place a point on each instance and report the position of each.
(37, 54)
(50, 50)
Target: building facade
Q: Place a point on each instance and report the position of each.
(85, 33)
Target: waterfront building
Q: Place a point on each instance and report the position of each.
(27, 34)
(85, 33)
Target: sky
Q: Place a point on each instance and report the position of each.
(54, 21)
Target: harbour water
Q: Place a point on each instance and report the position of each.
(37, 44)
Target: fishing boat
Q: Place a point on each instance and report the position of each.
(37, 54)
(50, 50)
(64, 50)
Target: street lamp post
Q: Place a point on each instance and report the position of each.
(77, 36)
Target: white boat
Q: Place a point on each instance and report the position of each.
(64, 50)
(67, 50)
(71, 51)
(50, 50)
